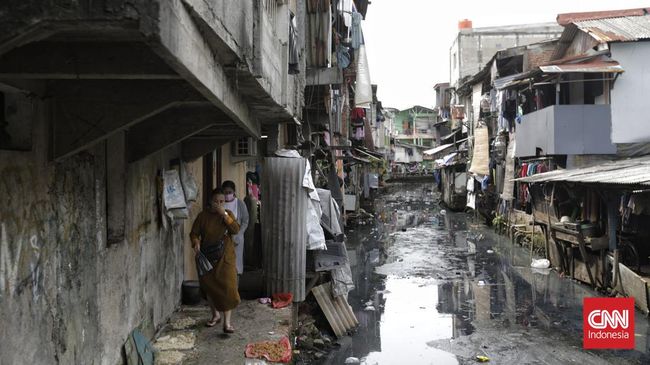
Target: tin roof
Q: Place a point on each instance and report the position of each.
(568, 18)
(433, 151)
(632, 171)
(596, 64)
(623, 29)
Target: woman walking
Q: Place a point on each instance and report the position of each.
(211, 235)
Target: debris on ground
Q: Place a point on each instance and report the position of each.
(183, 323)
(180, 341)
(279, 351)
(481, 358)
(169, 357)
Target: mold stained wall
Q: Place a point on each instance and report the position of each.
(66, 297)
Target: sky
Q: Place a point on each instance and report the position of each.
(408, 41)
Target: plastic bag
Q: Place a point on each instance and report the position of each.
(173, 195)
(540, 264)
(189, 184)
(203, 265)
(263, 350)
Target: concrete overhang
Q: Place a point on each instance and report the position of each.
(125, 64)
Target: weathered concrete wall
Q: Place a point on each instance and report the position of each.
(196, 169)
(234, 171)
(65, 297)
(630, 93)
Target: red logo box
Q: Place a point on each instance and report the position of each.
(608, 323)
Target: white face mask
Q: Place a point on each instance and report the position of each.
(230, 197)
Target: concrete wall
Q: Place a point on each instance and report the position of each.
(630, 94)
(66, 297)
(474, 48)
(233, 170)
(565, 130)
(189, 264)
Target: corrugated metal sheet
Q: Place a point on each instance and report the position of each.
(596, 65)
(504, 82)
(284, 225)
(567, 18)
(629, 28)
(633, 171)
(338, 312)
(433, 151)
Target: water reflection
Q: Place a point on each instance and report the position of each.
(433, 288)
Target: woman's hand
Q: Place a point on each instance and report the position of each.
(221, 211)
(197, 249)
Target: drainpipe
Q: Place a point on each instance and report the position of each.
(612, 220)
(557, 91)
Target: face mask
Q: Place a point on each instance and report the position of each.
(230, 197)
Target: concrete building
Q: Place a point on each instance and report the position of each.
(415, 125)
(97, 99)
(474, 47)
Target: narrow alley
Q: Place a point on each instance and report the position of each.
(198, 182)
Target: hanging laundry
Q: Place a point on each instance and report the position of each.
(355, 31)
(294, 58)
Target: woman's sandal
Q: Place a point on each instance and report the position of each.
(213, 322)
(228, 329)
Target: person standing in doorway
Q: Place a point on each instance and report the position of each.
(212, 233)
(238, 207)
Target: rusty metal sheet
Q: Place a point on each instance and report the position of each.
(590, 66)
(629, 28)
(632, 172)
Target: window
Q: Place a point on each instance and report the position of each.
(453, 65)
(16, 114)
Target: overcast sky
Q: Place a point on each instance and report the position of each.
(408, 41)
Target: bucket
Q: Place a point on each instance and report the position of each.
(191, 292)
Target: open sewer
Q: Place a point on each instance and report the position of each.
(436, 287)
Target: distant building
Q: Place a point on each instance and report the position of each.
(474, 47)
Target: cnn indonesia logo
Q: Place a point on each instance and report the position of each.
(608, 323)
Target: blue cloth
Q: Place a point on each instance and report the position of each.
(355, 31)
(485, 182)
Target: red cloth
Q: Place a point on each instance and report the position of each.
(358, 113)
(281, 300)
(286, 354)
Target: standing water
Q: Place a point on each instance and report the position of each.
(433, 287)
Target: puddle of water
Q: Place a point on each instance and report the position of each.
(408, 320)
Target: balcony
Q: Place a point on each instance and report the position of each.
(566, 130)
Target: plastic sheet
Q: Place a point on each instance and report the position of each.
(188, 181)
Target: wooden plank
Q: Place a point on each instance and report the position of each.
(634, 286)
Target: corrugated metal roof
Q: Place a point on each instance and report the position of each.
(504, 82)
(629, 28)
(567, 18)
(284, 226)
(633, 171)
(433, 151)
(338, 312)
(595, 65)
